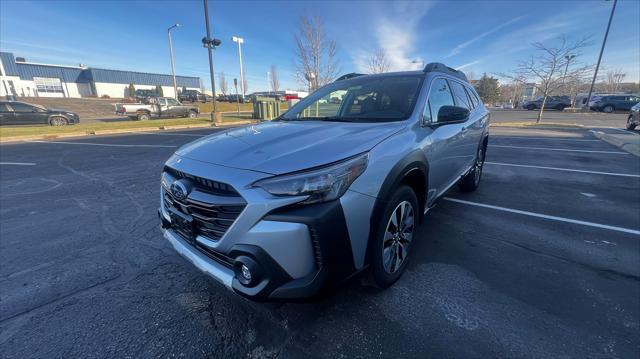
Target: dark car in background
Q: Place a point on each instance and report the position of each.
(634, 117)
(193, 96)
(553, 102)
(141, 95)
(236, 98)
(22, 113)
(612, 103)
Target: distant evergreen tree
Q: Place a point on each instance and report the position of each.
(184, 89)
(159, 91)
(488, 89)
(132, 91)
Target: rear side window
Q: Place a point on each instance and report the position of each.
(440, 95)
(472, 99)
(460, 95)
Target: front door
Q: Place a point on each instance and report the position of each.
(443, 145)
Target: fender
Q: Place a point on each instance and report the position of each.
(414, 161)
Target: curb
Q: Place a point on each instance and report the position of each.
(535, 125)
(106, 132)
(632, 147)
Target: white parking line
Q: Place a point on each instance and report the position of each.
(540, 215)
(168, 134)
(565, 169)
(561, 149)
(97, 144)
(18, 163)
(544, 138)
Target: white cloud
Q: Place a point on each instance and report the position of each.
(468, 64)
(395, 37)
(456, 50)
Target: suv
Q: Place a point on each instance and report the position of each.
(554, 102)
(193, 96)
(612, 103)
(280, 209)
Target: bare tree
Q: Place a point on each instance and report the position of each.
(379, 62)
(275, 81)
(224, 86)
(470, 75)
(315, 54)
(549, 67)
(613, 80)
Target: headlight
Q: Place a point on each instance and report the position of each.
(321, 184)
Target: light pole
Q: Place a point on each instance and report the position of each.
(210, 44)
(604, 41)
(310, 76)
(239, 41)
(268, 85)
(173, 67)
(566, 68)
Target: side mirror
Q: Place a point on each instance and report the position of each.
(452, 114)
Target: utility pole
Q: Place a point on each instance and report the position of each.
(210, 44)
(173, 67)
(604, 41)
(235, 83)
(239, 40)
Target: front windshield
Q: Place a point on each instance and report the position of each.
(364, 99)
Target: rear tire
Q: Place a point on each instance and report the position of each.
(143, 116)
(58, 121)
(607, 109)
(390, 248)
(471, 181)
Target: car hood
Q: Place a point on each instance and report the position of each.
(286, 146)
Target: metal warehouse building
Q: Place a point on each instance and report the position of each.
(26, 79)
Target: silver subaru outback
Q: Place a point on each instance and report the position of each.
(337, 184)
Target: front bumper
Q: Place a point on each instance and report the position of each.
(323, 226)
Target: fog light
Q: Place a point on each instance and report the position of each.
(246, 273)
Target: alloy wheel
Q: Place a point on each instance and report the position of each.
(397, 237)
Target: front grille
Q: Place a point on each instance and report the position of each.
(211, 207)
(207, 185)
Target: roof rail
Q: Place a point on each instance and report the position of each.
(438, 67)
(348, 76)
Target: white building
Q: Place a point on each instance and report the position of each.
(27, 79)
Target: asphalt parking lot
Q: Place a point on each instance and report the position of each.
(542, 261)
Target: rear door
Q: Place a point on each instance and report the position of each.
(6, 115)
(469, 128)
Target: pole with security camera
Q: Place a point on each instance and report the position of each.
(211, 44)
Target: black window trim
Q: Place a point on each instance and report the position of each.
(426, 102)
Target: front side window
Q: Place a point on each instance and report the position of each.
(364, 99)
(3, 108)
(22, 107)
(172, 102)
(440, 95)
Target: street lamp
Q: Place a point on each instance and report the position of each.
(173, 67)
(310, 76)
(566, 68)
(210, 44)
(239, 41)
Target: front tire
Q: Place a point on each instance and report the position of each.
(389, 251)
(192, 114)
(58, 121)
(630, 125)
(607, 109)
(471, 181)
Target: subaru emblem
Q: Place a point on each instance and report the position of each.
(179, 190)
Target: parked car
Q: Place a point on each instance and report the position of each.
(553, 102)
(193, 96)
(612, 103)
(22, 113)
(236, 98)
(142, 95)
(634, 117)
(280, 209)
(156, 107)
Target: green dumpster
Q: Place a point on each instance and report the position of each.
(265, 108)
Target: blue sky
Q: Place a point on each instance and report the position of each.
(477, 36)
